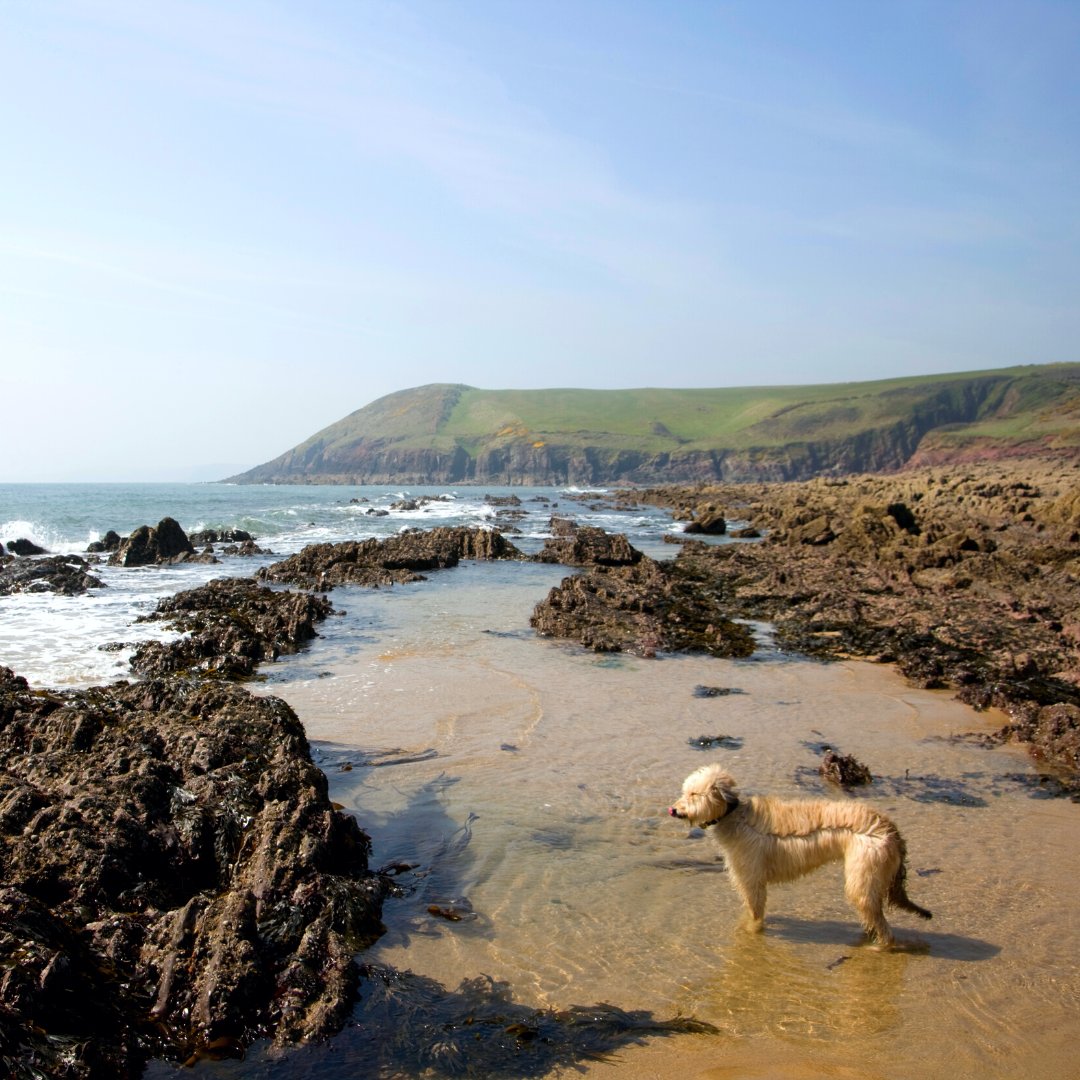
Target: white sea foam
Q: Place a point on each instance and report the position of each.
(54, 640)
(37, 533)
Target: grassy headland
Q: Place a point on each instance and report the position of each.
(460, 434)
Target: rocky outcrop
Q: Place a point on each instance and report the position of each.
(175, 879)
(67, 575)
(965, 579)
(149, 545)
(231, 626)
(398, 559)
(644, 608)
(585, 545)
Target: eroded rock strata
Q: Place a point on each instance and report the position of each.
(395, 560)
(967, 579)
(175, 879)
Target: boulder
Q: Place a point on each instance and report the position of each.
(220, 536)
(109, 542)
(149, 545)
(24, 547)
(709, 523)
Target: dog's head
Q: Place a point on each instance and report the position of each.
(707, 795)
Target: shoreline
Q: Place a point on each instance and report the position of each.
(957, 584)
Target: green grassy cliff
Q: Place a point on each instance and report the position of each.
(449, 433)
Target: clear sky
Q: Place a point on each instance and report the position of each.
(224, 226)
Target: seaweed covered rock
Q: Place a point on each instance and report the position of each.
(395, 560)
(646, 608)
(1053, 731)
(175, 878)
(844, 770)
(585, 545)
(231, 626)
(67, 575)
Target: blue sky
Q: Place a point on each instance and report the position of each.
(224, 226)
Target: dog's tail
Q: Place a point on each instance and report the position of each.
(898, 896)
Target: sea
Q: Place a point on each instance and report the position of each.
(52, 640)
(524, 784)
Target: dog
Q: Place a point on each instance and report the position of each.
(766, 840)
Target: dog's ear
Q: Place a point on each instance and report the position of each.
(723, 787)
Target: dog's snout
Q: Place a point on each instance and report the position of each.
(673, 812)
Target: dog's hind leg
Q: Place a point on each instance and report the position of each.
(868, 869)
(873, 920)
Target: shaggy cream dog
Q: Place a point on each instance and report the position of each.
(767, 840)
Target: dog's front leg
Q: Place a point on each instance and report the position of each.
(751, 887)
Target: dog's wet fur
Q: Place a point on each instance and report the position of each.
(766, 840)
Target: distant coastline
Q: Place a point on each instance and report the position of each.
(454, 434)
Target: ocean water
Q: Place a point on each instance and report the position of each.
(52, 640)
(525, 782)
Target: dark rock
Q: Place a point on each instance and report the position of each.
(148, 545)
(67, 575)
(712, 524)
(644, 608)
(397, 559)
(246, 549)
(231, 625)
(845, 770)
(25, 547)
(586, 545)
(109, 542)
(220, 536)
(175, 878)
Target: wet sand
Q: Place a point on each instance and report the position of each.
(541, 817)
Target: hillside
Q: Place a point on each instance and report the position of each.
(449, 433)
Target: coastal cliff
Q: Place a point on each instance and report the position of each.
(455, 434)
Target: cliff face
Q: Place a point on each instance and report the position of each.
(452, 434)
